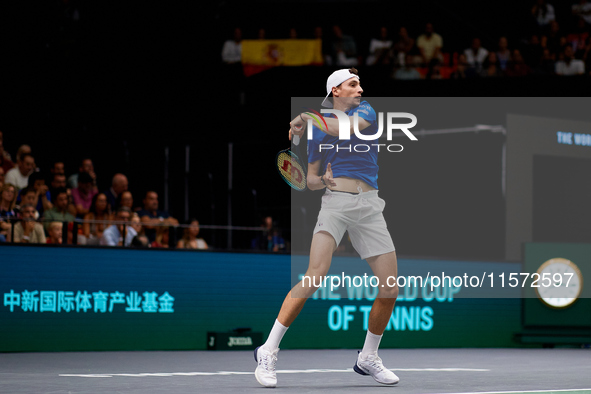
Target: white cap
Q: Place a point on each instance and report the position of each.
(335, 79)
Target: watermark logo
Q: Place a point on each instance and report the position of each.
(345, 129)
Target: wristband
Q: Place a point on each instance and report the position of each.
(322, 180)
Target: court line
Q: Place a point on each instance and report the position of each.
(286, 371)
(527, 391)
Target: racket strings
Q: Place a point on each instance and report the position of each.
(291, 170)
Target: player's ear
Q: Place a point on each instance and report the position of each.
(334, 89)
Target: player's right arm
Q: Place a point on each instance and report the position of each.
(332, 123)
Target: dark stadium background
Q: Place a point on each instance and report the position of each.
(139, 77)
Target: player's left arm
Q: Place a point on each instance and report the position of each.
(314, 177)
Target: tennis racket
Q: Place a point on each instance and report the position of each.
(291, 168)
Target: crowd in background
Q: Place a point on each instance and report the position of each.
(43, 198)
(55, 206)
(548, 48)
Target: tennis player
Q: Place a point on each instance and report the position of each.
(350, 203)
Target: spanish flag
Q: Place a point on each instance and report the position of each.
(259, 55)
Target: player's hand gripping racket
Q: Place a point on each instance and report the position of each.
(291, 167)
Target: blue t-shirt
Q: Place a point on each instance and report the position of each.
(354, 158)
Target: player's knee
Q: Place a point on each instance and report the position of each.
(388, 292)
(314, 280)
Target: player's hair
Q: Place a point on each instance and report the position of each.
(352, 70)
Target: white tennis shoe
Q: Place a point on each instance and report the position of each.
(265, 372)
(372, 365)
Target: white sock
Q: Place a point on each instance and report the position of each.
(275, 336)
(372, 342)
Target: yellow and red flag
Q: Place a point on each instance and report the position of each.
(259, 55)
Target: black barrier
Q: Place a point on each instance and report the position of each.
(175, 233)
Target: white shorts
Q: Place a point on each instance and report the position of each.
(361, 215)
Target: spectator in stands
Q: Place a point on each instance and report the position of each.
(232, 49)
(404, 45)
(55, 233)
(277, 241)
(190, 240)
(517, 66)
(344, 48)
(543, 13)
(125, 199)
(136, 223)
(4, 154)
(555, 40)
(59, 212)
(120, 234)
(269, 238)
(434, 70)
(261, 240)
(58, 181)
(71, 206)
(408, 71)
(7, 200)
(7, 204)
(119, 184)
(503, 54)
(547, 64)
(151, 217)
(326, 47)
(87, 166)
(463, 69)
(162, 237)
(533, 51)
(43, 196)
(140, 241)
(476, 55)
(491, 67)
(544, 42)
(578, 38)
(430, 45)
(28, 230)
(19, 175)
(586, 57)
(380, 49)
(100, 210)
(568, 65)
(5, 163)
(29, 196)
(582, 11)
(2, 173)
(83, 194)
(58, 167)
(22, 150)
